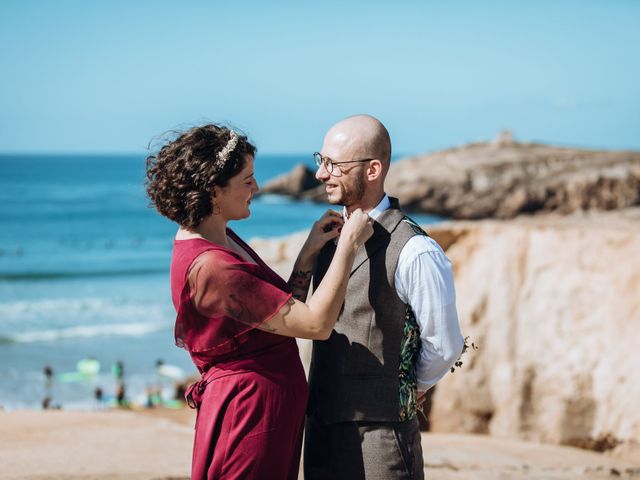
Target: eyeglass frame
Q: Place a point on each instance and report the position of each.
(320, 161)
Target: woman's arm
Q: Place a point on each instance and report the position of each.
(325, 229)
(316, 318)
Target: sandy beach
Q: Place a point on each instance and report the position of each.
(156, 444)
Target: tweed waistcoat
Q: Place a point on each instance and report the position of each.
(354, 375)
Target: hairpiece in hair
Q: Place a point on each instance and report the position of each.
(223, 156)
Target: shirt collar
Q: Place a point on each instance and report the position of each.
(384, 204)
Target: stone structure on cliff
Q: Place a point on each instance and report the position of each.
(500, 179)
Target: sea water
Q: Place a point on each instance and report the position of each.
(84, 265)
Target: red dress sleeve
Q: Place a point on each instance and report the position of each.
(228, 297)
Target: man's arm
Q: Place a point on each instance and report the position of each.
(424, 280)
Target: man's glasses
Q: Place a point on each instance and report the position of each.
(328, 164)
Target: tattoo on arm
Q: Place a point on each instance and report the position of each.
(299, 282)
(266, 327)
(300, 278)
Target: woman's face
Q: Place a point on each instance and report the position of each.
(234, 199)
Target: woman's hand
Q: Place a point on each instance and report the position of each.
(326, 228)
(357, 229)
(317, 318)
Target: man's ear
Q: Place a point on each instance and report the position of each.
(375, 170)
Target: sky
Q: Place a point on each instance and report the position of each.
(111, 76)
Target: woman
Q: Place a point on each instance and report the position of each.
(235, 316)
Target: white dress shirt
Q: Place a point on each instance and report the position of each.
(424, 280)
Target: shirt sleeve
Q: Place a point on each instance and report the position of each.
(231, 297)
(424, 280)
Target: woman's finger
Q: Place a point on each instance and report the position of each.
(329, 220)
(329, 224)
(330, 234)
(331, 214)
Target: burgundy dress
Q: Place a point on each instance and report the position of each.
(253, 393)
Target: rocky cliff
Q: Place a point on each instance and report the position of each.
(554, 306)
(500, 179)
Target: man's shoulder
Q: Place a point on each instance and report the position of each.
(412, 226)
(407, 228)
(418, 240)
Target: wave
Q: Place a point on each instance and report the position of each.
(66, 308)
(90, 331)
(62, 275)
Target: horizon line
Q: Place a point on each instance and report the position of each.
(395, 155)
(115, 153)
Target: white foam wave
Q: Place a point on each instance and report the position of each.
(88, 331)
(69, 305)
(69, 308)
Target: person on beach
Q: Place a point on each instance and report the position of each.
(98, 395)
(235, 316)
(397, 333)
(48, 386)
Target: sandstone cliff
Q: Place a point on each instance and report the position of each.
(500, 179)
(554, 305)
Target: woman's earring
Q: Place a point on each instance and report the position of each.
(216, 208)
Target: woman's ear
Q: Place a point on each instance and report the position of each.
(375, 169)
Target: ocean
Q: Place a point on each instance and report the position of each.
(84, 264)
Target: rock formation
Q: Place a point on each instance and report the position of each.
(554, 306)
(295, 183)
(500, 179)
(504, 179)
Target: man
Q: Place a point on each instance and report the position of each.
(398, 331)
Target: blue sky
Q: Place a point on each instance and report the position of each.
(104, 77)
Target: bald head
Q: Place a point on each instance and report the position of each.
(361, 136)
(361, 149)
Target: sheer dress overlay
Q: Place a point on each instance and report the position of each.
(223, 297)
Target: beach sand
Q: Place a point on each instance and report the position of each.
(156, 444)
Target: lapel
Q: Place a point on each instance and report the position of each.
(383, 227)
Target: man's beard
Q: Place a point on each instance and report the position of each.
(351, 196)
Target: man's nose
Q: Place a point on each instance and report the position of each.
(321, 173)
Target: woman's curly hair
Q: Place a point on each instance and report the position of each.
(181, 176)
